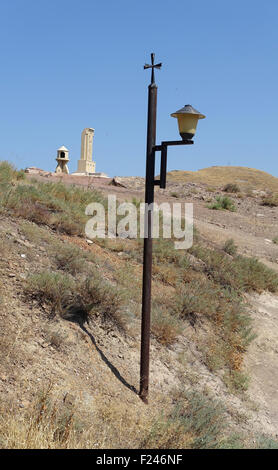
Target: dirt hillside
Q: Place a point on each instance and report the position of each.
(70, 319)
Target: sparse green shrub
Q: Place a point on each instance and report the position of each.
(53, 289)
(254, 275)
(164, 252)
(275, 240)
(54, 204)
(203, 417)
(236, 381)
(265, 442)
(174, 194)
(70, 258)
(225, 310)
(165, 327)
(240, 273)
(230, 247)
(20, 175)
(197, 298)
(37, 234)
(7, 172)
(80, 299)
(96, 297)
(132, 290)
(222, 203)
(195, 423)
(231, 188)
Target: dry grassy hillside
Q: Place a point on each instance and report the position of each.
(218, 176)
(70, 331)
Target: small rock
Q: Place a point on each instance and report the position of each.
(13, 234)
(267, 240)
(24, 243)
(259, 215)
(23, 256)
(90, 242)
(11, 275)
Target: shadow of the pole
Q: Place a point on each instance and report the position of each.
(107, 362)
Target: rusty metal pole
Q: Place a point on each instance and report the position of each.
(147, 259)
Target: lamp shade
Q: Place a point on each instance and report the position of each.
(188, 118)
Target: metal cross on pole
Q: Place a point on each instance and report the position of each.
(152, 66)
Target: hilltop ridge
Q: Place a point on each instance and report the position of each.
(220, 175)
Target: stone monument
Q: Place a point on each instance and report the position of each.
(86, 164)
(62, 160)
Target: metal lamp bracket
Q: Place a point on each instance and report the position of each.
(163, 165)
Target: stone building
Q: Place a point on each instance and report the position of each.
(86, 165)
(62, 160)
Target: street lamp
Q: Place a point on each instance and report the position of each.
(187, 120)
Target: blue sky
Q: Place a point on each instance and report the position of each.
(69, 64)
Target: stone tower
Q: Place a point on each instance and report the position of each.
(86, 164)
(62, 160)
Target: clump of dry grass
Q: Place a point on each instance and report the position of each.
(47, 424)
(168, 274)
(51, 422)
(230, 247)
(231, 188)
(271, 200)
